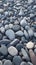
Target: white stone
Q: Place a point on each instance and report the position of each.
(12, 51)
(30, 45)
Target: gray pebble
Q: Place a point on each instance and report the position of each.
(19, 33)
(10, 34)
(35, 51)
(3, 50)
(12, 51)
(23, 22)
(7, 62)
(17, 60)
(16, 27)
(29, 63)
(0, 62)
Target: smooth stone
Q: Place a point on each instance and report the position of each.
(2, 29)
(14, 42)
(10, 34)
(16, 28)
(27, 27)
(23, 22)
(19, 33)
(12, 51)
(26, 34)
(10, 25)
(19, 46)
(25, 54)
(17, 60)
(30, 32)
(30, 45)
(16, 22)
(4, 41)
(30, 1)
(29, 63)
(1, 10)
(7, 62)
(23, 63)
(0, 62)
(35, 51)
(0, 36)
(3, 50)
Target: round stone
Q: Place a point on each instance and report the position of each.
(7, 62)
(30, 45)
(12, 51)
(10, 34)
(3, 50)
(16, 27)
(19, 33)
(17, 60)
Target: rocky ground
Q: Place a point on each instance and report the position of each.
(17, 32)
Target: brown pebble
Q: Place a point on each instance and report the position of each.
(32, 56)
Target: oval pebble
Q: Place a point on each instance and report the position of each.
(30, 45)
(10, 34)
(3, 50)
(17, 60)
(12, 51)
(19, 33)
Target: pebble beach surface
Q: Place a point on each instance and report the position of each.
(17, 32)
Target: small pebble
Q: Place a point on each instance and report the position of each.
(30, 45)
(12, 51)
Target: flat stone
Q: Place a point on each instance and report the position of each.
(12, 51)
(7, 62)
(3, 50)
(30, 45)
(10, 34)
(17, 60)
(19, 33)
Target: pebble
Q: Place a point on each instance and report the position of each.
(10, 34)
(19, 33)
(31, 33)
(16, 28)
(2, 29)
(25, 54)
(3, 50)
(30, 45)
(17, 60)
(23, 22)
(23, 63)
(10, 26)
(19, 46)
(6, 27)
(7, 62)
(12, 51)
